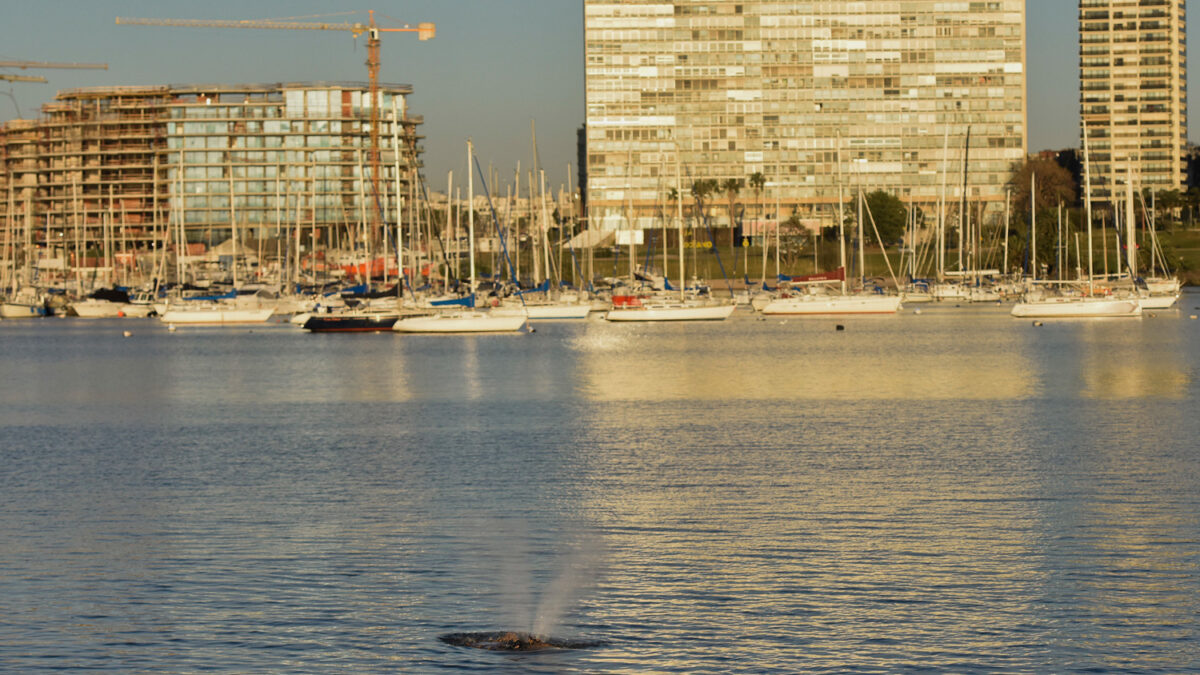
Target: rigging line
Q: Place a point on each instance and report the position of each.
(496, 220)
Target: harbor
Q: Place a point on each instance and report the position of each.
(687, 336)
(954, 487)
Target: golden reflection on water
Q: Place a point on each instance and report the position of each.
(1126, 364)
(871, 360)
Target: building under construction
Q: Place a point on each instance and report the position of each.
(139, 165)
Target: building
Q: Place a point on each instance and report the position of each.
(123, 162)
(1133, 98)
(822, 98)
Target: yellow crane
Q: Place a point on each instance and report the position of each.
(424, 31)
(52, 64)
(21, 78)
(5, 77)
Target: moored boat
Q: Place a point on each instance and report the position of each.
(465, 321)
(214, 315)
(816, 304)
(1067, 307)
(351, 322)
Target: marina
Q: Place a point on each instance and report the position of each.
(953, 489)
(744, 337)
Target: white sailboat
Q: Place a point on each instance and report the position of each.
(671, 307)
(464, 320)
(214, 314)
(1072, 307)
(815, 303)
(1085, 303)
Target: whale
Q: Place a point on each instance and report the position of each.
(514, 641)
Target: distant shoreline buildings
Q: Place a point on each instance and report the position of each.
(821, 98)
(125, 160)
(1133, 93)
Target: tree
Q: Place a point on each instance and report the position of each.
(1191, 200)
(732, 187)
(1167, 204)
(757, 182)
(701, 189)
(890, 215)
(1054, 185)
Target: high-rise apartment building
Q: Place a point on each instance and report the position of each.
(126, 160)
(816, 96)
(1133, 81)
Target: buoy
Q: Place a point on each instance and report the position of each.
(121, 314)
(1192, 316)
(127, 333)
(840, 327)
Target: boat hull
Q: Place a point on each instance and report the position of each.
(362, 323)
(547, 312)
(104, 309)
(216, 317)
(817, 305)
(1158, 301)
(1070, 308)
(16, 310)
(669, 313)
(467, 322)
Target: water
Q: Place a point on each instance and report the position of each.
(955, 491)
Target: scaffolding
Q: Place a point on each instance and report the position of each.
(130, 162)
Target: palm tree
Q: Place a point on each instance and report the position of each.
(732, 187)
(757, 182)
(672, 198)
(701, 189)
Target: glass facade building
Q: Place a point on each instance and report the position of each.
(129, 159)
(1133, 92)
(816, 96)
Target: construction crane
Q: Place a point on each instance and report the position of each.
(4, 77)
(21, 78)
(51, 64)
(424, 31)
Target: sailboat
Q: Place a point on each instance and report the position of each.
(467, 319)
(670, 307)
(817, 301)
(218, 309)
(546, 304)
(1084, 302)
(23, 301)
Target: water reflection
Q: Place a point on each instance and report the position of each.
(894, 359)
(1138, 362)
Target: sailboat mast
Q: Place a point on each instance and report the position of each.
(840, 216)
(400, 277)
(232, 224)
(1087, 201)
(544, 230)
(471, 214)
(1033, 225)
(679, 224)
(963, 216)
(1130, 225)
(941, 225)
(862, 249)
(1007, 212)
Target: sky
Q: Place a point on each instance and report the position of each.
(494, 67)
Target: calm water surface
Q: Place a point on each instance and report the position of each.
(949, 491)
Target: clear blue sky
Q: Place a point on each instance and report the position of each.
(494, 66)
